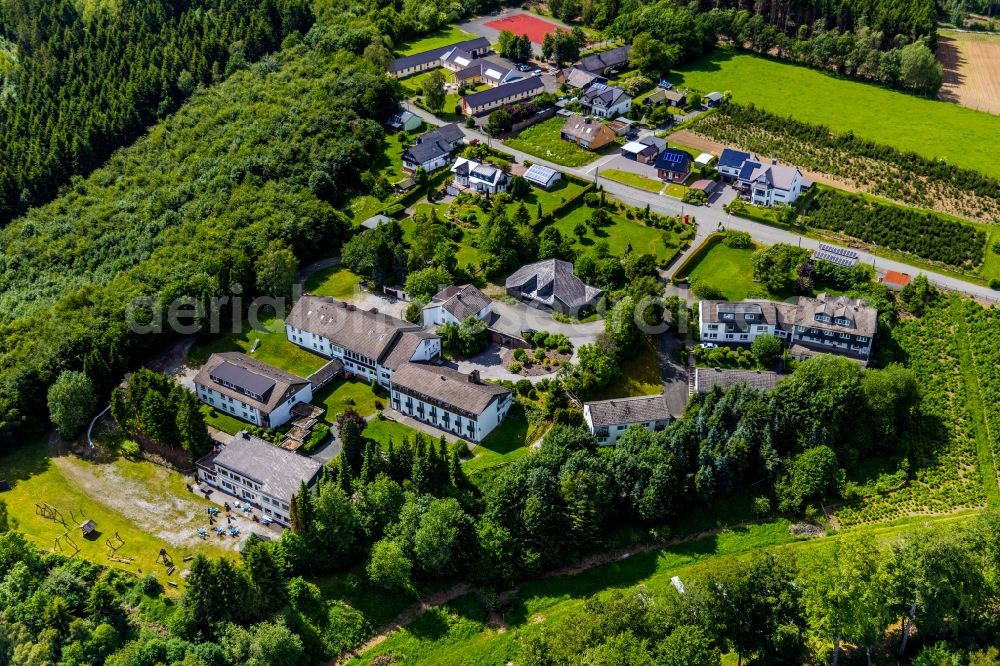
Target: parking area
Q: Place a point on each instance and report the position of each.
(512, 319)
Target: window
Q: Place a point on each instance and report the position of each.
(727, 316)
(749, 316)
(713, 327)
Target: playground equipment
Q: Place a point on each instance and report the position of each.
(65, 538)
(46, 510)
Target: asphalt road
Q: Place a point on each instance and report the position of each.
(710, 218)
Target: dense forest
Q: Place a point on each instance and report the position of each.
(83, 83)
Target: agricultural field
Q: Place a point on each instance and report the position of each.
(971, 69)
(853, 163)
(982, 328)
(950, 465)
(543, 140)
(927, 127)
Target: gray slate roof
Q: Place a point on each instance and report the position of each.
(521, 86)
(461, 301)
(447, 387)
(277, 470)
(603, 95)
(552, 280)
(404, 349)
(598, 62)
(424, 57)
(367, 332)
(434, 144)
(706, 378)
(271, 385)
(619, 411)
(580, 78)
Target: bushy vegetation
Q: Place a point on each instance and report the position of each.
(873, 167)
(87, 81)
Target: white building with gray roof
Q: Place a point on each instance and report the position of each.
(449, 400)
(456, 303)
(551, 283)
(608, 419)
(250, 390)
(254, 470)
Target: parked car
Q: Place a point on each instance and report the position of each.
(708, 345)
(536, 72)
(632, 135)
(524, 68)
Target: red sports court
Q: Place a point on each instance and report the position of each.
(524, 24)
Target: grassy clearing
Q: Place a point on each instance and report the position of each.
(438, 38)
(457, 633)
(335, 281)
(381, 431)
(661, 244)
(37, 477)
(341, 394)
(543, 140)
(640, 375)
(632, 179)
(676, 190)
(727, 269)
(931, 128)
(222, 421)
(274, 348)
(503, 445)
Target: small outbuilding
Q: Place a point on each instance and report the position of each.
(88, 527)
(704, 160)
(376, 221)
(542, 176)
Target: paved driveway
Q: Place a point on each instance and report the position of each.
(512, 319)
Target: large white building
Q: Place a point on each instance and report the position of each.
(825, 324)
(449, 400)
(256, 471)
(765, 183)
(369, 343)
(608, 419)
(454, 304)
(250, 390)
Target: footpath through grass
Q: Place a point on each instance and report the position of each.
(928, 127)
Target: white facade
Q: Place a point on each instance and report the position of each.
(434, 164)
(764, 193)
(449, 420)
(244, 489)
(355, 363)
(717, 331)
(436, 315)
(247, 412)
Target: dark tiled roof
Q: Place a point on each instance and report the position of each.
(656, 142)
(461, 301)
(619, 411)
(436, 143)
(580, 78)
(579, 127)
(370, 334)
(530, 84)
(403, 350)
(552, 280)
(706, 378)
(279, 472)
(606, 95)
(672, 159)
(447, 387)
(424, 57)
(271, 385)
(598, 62)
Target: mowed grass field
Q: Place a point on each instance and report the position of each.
(442, 37)
(931, 128)
(543, 140)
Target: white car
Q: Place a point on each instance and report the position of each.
(708, 345)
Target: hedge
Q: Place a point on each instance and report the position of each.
(711, 241)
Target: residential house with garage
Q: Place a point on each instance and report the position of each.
(551, 284)
(604, 101)
(606, 61)
(586, 132)
(607, 420)
(433, 149)
(432, 58)
(481, 102)
(241, 386)
(455, 304)
(577, 78)
(478, 177)
(731, 162)
(645, 150)
(256, 471)
(825, 324)
(369, 343)
(673, 165)
(770, 184)
(457, 403)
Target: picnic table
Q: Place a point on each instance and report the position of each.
(233, 531)
(202, 532)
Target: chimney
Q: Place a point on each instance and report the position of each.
(350, 307)
(374, 310)
(474, 377)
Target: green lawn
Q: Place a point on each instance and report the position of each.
(503, 445)
(274, 348)
(561, 192)
(342, 393)
(441, 37)
(618, 235)
(382, 430)
(335, 281)
(727, 269)
(676, 190)
(37, 477)
(222, 421)
(929, 127)
(633, 179)
(543, 140)
(640, 375)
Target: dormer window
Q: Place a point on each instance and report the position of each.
(727, 316)
(823, 318)
(749, 316)
(842, 321)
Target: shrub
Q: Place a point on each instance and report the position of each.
(695, 197)
(523, 386)
(739, 239)
(706, 291)
(129, 448)
(514, 367)
(995, 284)
(591, 199)
(520, 355)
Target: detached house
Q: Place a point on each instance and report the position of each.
(673, 165)
(605, 101)
(608, 419)
(433, 149)
(825, 324)
(477, 177)
(551, 283)
(250, 390)
(479, 103)
(455, 402)
(770, 184)
(646, 150)
(454, 304)
(254, 470)
(586, 132)
(578, 78)
(369, 343)
(605, 61)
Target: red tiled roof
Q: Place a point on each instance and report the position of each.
(897, 278)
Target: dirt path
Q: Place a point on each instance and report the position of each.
(452, 593)
(698, 142)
